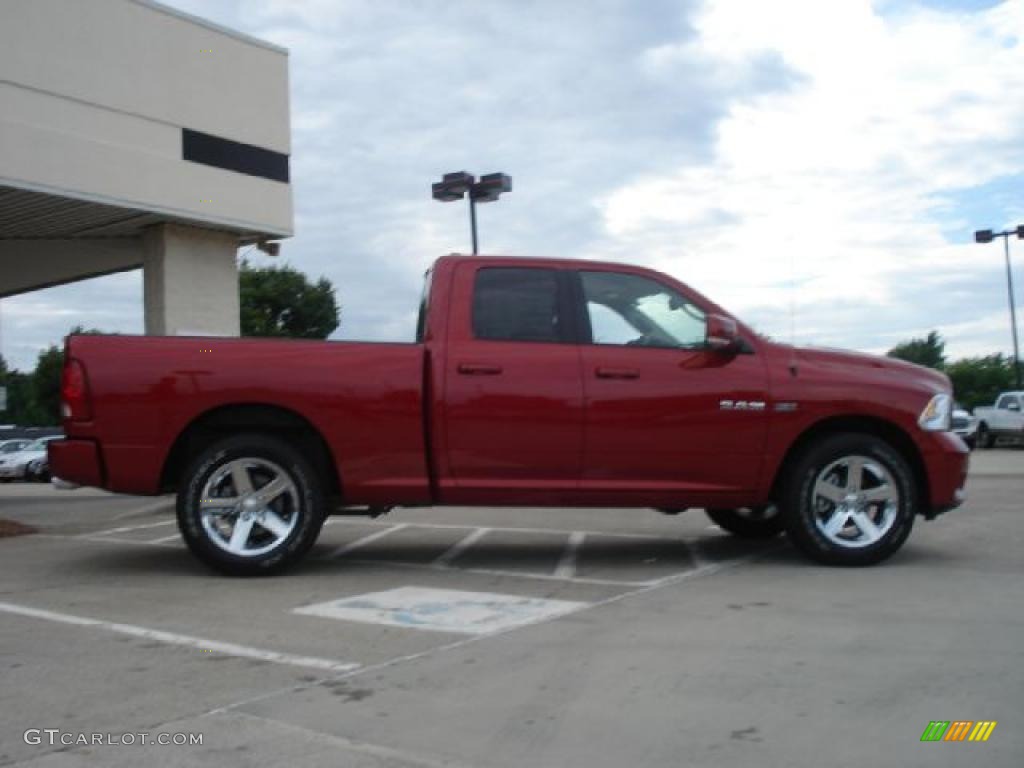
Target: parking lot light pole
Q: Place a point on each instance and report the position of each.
(455, 186)
(987, 236)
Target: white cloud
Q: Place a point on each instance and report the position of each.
(840, 185)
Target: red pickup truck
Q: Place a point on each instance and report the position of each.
(531, 382)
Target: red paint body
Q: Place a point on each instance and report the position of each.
(457, 420)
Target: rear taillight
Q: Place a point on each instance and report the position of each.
(74, 392)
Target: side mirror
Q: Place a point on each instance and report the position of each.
(722, 334)
(1013, 406)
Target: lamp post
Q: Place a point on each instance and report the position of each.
(455, 186)
(987, 236)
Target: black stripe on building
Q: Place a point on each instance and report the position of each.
(198, 147)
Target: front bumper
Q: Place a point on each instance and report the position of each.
(946, 462)
(967, 433)
(76, 461)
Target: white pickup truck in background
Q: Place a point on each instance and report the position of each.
(1003, 420)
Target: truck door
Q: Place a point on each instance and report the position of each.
(663, 414)
(1008, 415)
(513, 405)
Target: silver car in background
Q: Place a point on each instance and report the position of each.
(14, 465)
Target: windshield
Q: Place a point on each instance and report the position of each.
(421, 320)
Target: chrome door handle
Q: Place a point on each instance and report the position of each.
(479, 369)
(617, 373)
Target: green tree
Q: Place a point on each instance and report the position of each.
(33, 399)
(46, 383)
(978, 380)
(281, 301)
(22, 408)
(5, 375)
(929, 351)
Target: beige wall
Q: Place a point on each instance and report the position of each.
(94, 94)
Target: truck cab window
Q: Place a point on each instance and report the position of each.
(1006, 403)
(516, 304)
(629, 310)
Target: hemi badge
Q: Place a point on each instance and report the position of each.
(785, 407)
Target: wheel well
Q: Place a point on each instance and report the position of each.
(274, 420)
(885, 430)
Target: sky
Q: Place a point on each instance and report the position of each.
(818, 168)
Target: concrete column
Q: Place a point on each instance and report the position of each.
(190, 281)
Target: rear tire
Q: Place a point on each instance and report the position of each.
(749, 522)
(851, 500)
(250, 504)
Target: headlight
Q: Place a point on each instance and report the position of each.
(937, 415)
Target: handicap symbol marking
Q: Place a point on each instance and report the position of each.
(442, 610)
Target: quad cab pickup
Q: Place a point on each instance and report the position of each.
(531, 382)
(1004, 420)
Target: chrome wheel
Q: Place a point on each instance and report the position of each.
(856, 501)
(249, 506)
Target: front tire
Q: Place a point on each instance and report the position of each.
(851, 500)
(250, 504)
(984, 438)
(749, 522)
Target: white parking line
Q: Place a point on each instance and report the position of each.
(112, 540)
(351, 546)
(566, 568)
(156, 506)
(173, 638)
(461, 546)
(127, 528)
(165, 539)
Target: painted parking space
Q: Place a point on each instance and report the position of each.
(623, 559)
(384, 543)
(612, 558)
(641, 560)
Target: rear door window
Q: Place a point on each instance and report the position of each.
(517, 304)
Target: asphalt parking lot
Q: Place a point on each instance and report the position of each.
(512, 637)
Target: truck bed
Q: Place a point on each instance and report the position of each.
(365, 399)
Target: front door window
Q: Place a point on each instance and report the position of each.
(629, 310)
